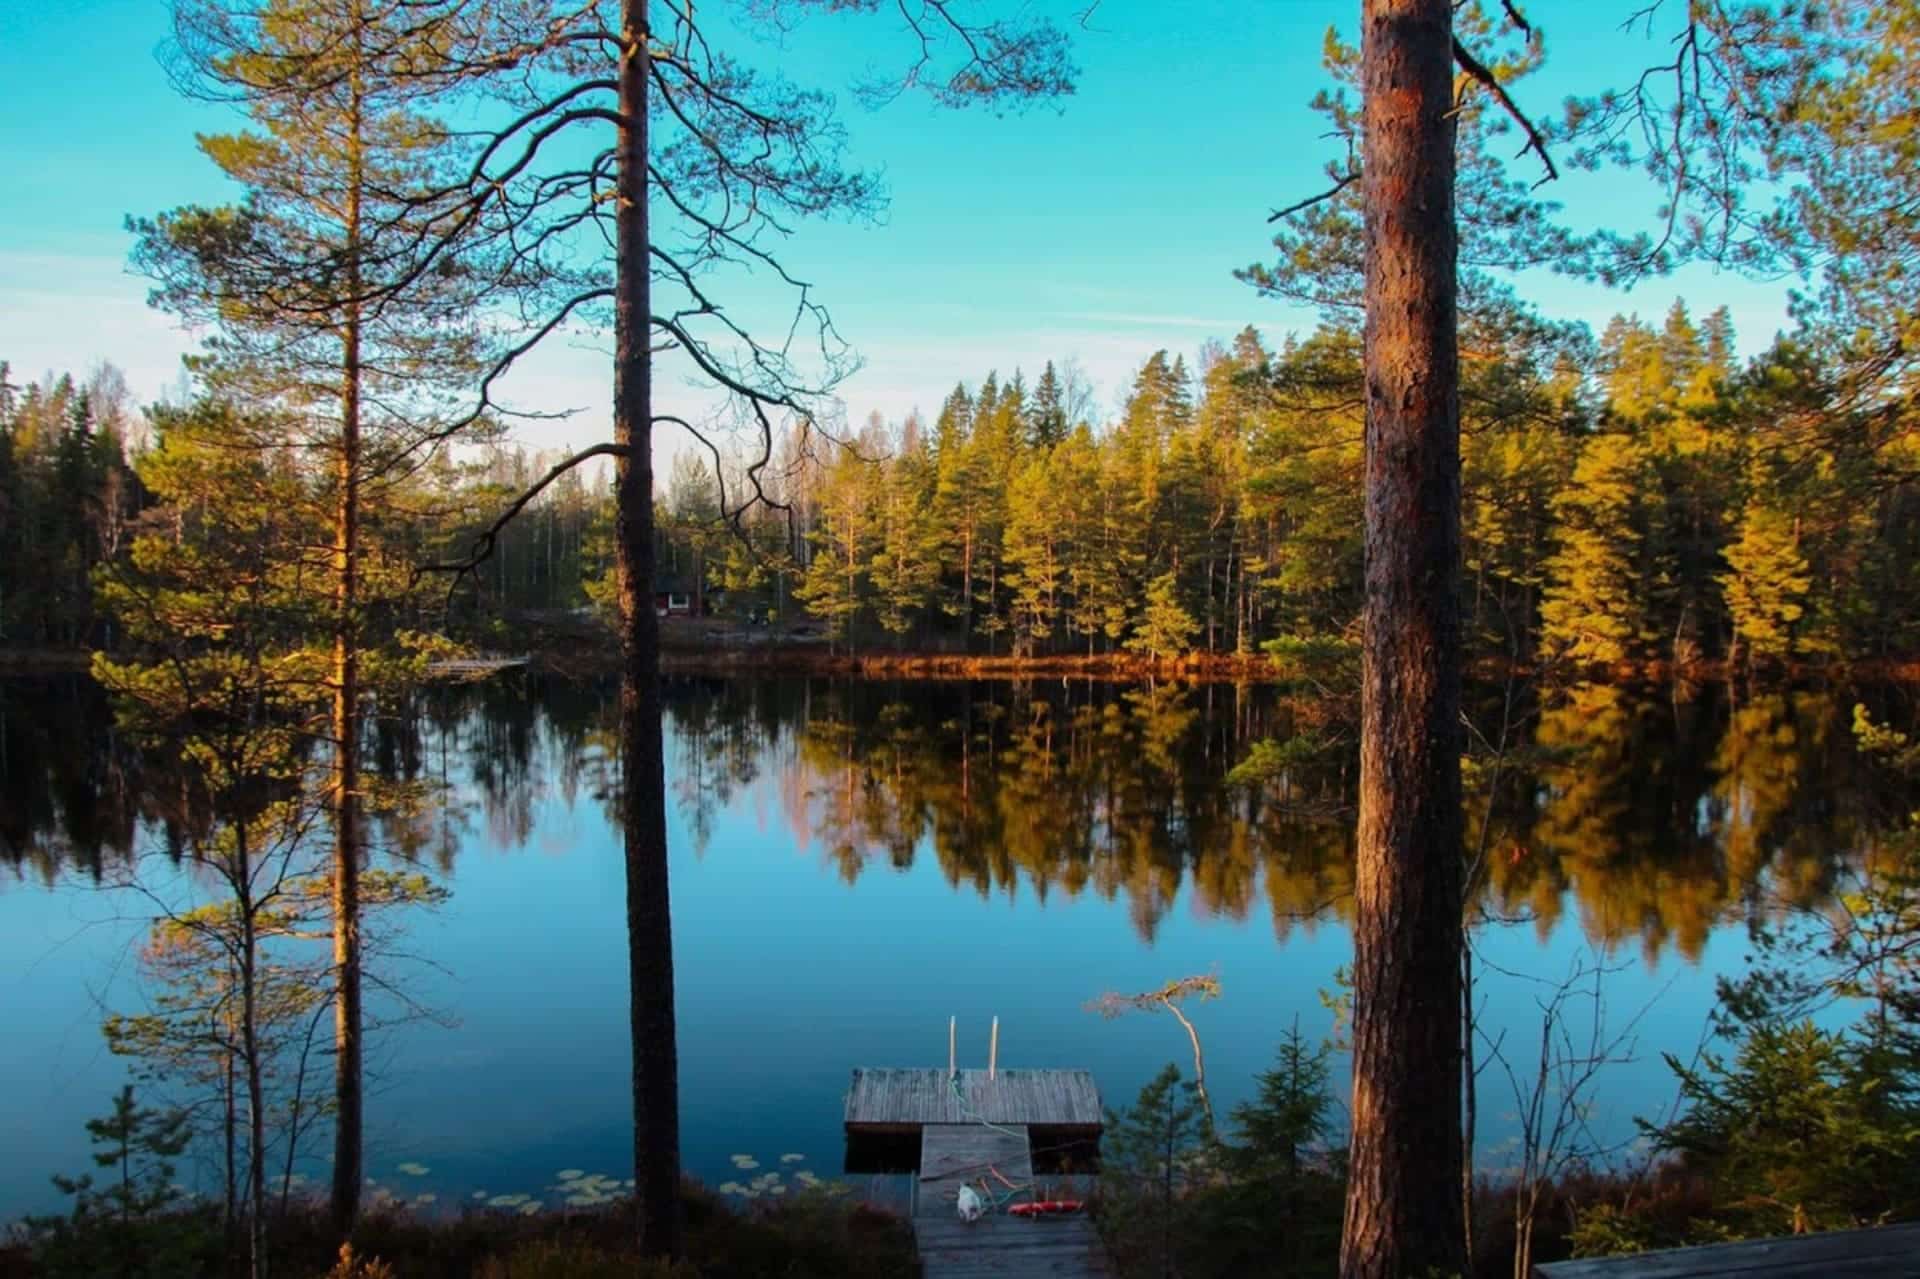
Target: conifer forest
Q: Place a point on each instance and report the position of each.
(1331, 585)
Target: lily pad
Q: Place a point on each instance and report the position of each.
(414, 1170)
(791, 1159)
(571, 1174)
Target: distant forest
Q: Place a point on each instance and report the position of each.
(1639, 499)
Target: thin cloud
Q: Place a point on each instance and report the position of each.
(1140, 319)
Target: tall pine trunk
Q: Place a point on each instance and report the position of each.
(347, 1173)
(656, 1099)
(1403, 1211)
(347, 1096)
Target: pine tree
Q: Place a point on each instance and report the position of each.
(905, 563)
(954, 426)
(963, 501)
(217, 674)
(341, 300)
(1036, 560)
(1046, 413)
(1165, 628)
(1594, 610)
(128, 1227)
(1151, 1156)
(1095, 575)
(1766, 581)
(836, 585)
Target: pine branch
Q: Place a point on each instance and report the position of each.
(1479, 71)
(1340, 183)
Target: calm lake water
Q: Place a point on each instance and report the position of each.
(854, 862)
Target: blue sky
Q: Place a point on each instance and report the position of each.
(1095, 232)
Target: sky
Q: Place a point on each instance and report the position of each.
(1095, 230)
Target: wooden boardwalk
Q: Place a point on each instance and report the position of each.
(902, 1101)
(1855, 1254)
(997, 1244)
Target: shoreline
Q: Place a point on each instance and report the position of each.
(588, 657)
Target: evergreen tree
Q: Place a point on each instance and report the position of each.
(1806, 1129)
(341, 302)
(1165, 629)
(1595, 606)
(1151, 1155)
(1766, 581)
(1046, 413)
(127, 1226)
(836, 585)
(1036, 560)
(905, 564)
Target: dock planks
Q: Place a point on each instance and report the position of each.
(998, 1244)
(902, 1100)
(952, 1154)
(956, 1147)
(1867, 1254)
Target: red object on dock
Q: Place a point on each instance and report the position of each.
(1046, 1207)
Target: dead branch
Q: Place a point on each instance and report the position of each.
(1340, 183)
(484, 544)
(1479, 71)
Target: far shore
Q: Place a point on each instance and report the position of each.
(715, 646)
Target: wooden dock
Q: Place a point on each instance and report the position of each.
(1857, 1254)
(999, 1243)
(903, 1101)
(956, 1149)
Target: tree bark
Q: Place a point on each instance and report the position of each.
(1403, 1210)
(345, 728)
(656, 1100)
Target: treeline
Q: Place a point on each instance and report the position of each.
(1638, 499)
(67, 493)
(75, 457)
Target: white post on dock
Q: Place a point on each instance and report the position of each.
(950, 1032)
(993, 1050)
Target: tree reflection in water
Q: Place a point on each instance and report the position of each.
(1655, 814)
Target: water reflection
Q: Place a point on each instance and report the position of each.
(1015, 849)
(1651, 815)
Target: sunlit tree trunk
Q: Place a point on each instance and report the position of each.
(1403, 1210)
(656, 1099)
(345, 726)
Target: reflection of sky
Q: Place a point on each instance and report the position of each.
(787, 978)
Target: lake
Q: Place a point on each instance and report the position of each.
(854, 862)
